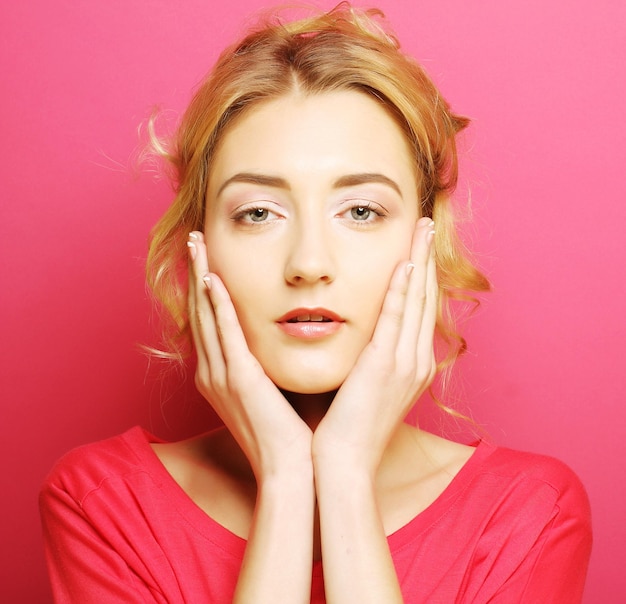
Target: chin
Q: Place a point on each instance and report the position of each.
(311, 369)
(312, 385)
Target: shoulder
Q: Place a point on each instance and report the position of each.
(538, 522)
(527, 471)
(85, 468)
(530, 490)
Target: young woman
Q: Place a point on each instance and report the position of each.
(314, 168)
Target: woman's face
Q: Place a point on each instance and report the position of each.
(311, 204)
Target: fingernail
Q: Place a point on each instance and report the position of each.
(409, 268)
(192, 250)
(192, 235)
(207, 281)
(430, 236)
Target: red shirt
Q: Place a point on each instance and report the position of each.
(511, 527)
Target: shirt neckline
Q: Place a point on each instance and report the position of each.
(140, 440)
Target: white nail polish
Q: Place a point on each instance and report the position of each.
(192, 249)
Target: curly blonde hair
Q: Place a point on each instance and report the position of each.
(343, 49)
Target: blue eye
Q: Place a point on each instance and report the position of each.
(360, 213)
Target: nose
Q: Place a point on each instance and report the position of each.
(310, 258)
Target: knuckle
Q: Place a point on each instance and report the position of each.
(393, 311)
(201, 381)
(421, 300)
(213, 388)
(199, 317)
(403, 368)
(426, 373)
(395, 300)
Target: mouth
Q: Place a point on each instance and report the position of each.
(307, 318)
(310, 323)
(310, 315)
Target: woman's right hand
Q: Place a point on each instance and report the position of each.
(266, 427)
(275, 440)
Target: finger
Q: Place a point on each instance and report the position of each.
(192, 293)
(425, 343)
(389, 324)
(246, 379)
(201, 315)
(232, 340)
(417, 298)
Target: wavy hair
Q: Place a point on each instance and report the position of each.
(343, 49)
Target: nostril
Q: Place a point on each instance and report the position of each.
(310, 261)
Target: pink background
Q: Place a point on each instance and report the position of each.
(544, 82)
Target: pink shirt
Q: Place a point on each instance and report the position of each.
(510, 528)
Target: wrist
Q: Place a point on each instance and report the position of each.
(288, 495)
(344, 473)
(283, 461)
(298, 475)
(341, 461)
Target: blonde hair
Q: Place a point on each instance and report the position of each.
(343, 49)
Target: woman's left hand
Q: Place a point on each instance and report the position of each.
(393, 370)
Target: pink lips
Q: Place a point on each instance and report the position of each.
(310, 323)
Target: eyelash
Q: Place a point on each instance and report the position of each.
(244, 215)
(372, 208)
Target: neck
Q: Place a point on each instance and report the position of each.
(310, 407)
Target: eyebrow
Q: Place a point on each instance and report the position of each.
(348, 180)
(351, 180)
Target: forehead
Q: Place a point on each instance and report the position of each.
(322, 134)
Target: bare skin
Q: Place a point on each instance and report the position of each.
(403, 489)
(312, 303)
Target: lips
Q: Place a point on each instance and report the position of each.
(310, 323)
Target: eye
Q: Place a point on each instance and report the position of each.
(361, 213)
(254, 215)
(258, 214)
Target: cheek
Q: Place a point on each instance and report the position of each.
(230, 262)
(370, 284)
(375, 289)
(246, 283)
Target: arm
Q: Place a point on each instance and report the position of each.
(357, 563)
(277, 443)
(391, 373)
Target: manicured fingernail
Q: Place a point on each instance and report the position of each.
(192, 235)
(409, 268)
(430, 235)
(207, 281)
(192, 250)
